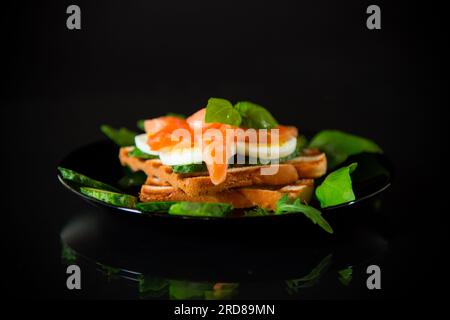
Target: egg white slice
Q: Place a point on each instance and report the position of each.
(183, 156)
(265, 151)
(141, 144)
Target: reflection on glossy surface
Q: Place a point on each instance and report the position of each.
(129, 259)
(156, 287)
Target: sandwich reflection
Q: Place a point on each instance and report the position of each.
(152, 263)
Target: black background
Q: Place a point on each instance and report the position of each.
(314, 64)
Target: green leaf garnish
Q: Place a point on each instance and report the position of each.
(176, 115)
(132, 179)
(68, 255)
(222, 111)
(293, 285)
(137, 153)
(83, 180)
(190, 168)
(255, 116)
(285, 205)
(156, 206)
(244, 113)
(345, 275)
(337, 187)
(200, 209)
(183, 290)
(108, 271)
(339, 145)
(257, 212)
(152, 286)
(141, 124)
(114, 198)
(122, 137)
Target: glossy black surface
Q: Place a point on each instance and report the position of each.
(157, 260)
(99, 161)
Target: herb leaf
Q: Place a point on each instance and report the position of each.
(200, 209)
(137, 153)
(222, 111)
(337, 187)
(285, 205)
(132, 179)
(255, 116)
(339, 145)
(257, 212)
(141, 124)
(176, 115)
(345, 275)
(122, 137)
(294, 285)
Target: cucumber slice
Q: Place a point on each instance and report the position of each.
(190, 168)
(114, 198)
(83, 180)
(159, 206)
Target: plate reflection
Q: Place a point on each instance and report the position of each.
(128, 259)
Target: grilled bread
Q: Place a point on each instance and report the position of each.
(264, 197)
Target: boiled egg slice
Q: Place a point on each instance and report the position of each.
(141, 144)
(183, 156)
(266, 151)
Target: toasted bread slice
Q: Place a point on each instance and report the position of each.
(168, 193)
(268, 198)
(311, 164)
(200, 184)
(236, 177)
(263, 197)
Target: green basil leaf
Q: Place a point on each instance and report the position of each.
(176, 115)
(337, 187)
(255, 116)
(285, 205)
(157, 206)
(137, 153)
(83, 180)
(222, 111)
(183, 290)
(141, 124)
(200, 209)
(132, 179)
(339, 145)
(294, 285)
(152, 286)
(345, 275)
(68, 255)
(257, 212)
(114, 198)
(122, 137)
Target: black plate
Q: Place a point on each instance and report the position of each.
(100, 161)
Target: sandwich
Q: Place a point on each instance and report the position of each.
(238, 155)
